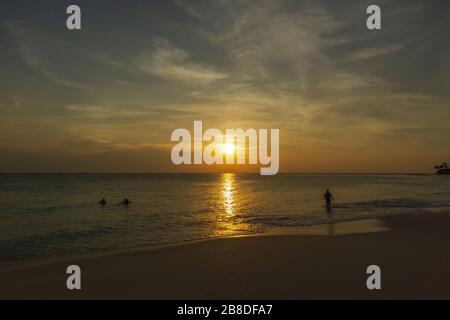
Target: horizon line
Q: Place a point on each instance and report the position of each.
(202, 173)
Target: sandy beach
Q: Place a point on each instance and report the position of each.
(327, 261)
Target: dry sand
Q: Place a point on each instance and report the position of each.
(413, 252)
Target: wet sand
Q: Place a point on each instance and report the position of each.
(327, 262)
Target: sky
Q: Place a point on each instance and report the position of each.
(106, 98)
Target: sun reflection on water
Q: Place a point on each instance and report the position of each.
(229, 221)
(228, 193)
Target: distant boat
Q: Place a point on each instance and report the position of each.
(442, 169)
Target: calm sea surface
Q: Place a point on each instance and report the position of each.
(46, 215)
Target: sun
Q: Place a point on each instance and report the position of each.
(228, 148)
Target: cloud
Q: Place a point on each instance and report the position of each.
(267, 43)
(28, 49)
(374, 52)
(173, 63)
(113, 113)
(189, 9)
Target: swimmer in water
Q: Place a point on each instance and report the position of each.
(328, 197)
(102, 202)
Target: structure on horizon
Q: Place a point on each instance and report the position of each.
(442, 169)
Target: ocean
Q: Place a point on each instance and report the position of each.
(58, 215)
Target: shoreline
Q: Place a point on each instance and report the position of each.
(358, 226)
(412, 250)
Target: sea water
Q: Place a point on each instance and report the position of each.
(48, 215)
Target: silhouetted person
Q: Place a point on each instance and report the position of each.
(126, 202)
(328, 197)
(102, 202)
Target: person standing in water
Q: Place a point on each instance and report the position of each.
(328, 197)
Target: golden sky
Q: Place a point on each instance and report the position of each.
(107, 98)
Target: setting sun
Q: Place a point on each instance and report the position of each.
(228, 148)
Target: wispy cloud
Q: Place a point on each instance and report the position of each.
(173, 63)
(374, 52)
(28, 49)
